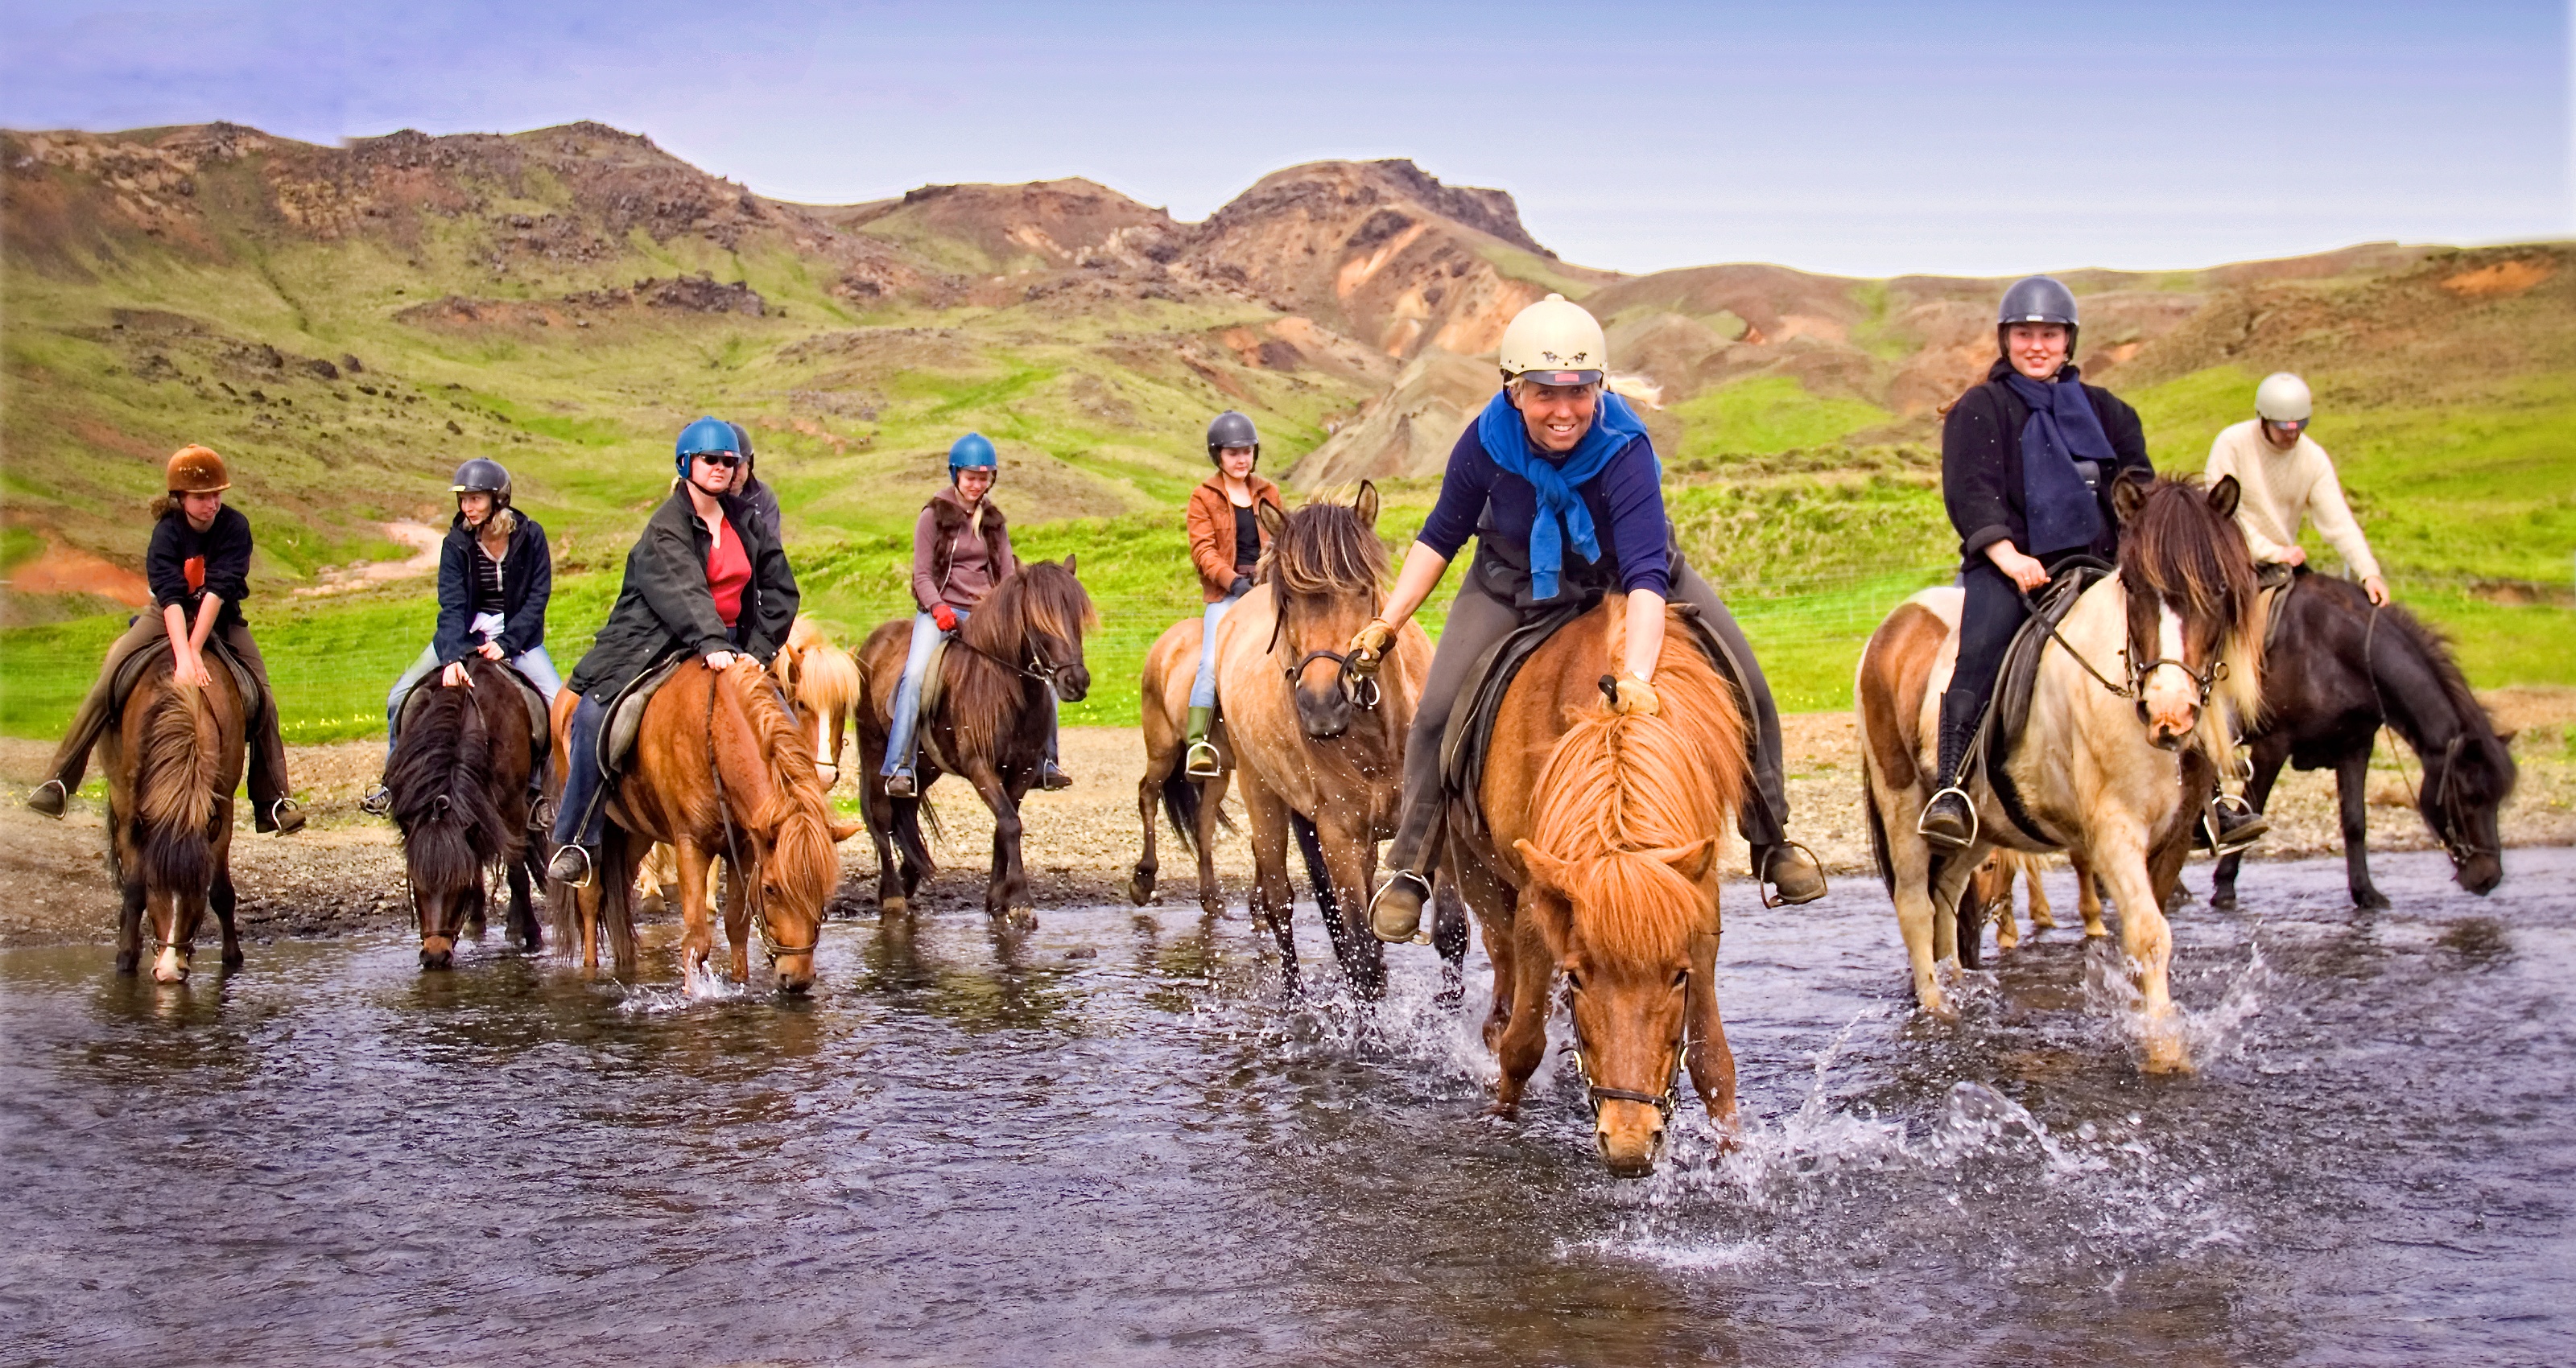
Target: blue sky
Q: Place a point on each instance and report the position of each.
(1862, 138)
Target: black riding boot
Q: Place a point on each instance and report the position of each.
(1948, 820)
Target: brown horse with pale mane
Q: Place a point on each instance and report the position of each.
(827, 685)
(1598, 860)
(172, 761)
(2149, 673)
(720, 769)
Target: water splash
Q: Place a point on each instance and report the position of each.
(2220, 1031)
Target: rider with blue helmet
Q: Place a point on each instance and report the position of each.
(708, 579)
(961, 548)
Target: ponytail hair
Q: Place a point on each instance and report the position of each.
(164, 505)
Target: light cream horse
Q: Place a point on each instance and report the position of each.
(825, 682)
(2147, 675)
(1990, 898)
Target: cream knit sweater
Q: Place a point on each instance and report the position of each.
(2281, 488)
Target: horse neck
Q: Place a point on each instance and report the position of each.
(2415, 698)
(739, 760)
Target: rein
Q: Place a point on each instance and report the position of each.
(1360, 683)
(753, 899)
(2461, 849)
(2204, 681)
(1042, 670)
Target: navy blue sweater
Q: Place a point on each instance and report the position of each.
(1479, 498)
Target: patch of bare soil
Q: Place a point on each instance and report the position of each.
(344, 871)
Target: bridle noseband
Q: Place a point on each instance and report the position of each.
(2461, 848)
(1664, 1103)
(1359, 683)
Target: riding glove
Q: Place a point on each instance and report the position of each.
(1636, 697)
(945, 616)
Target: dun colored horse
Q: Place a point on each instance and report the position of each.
(825, 683)
(172, 761)
(1319, 749)
(459, 779)
(2335, 670)
(1990, 898)
(989, 725)
(1195, 806)
(1597, 859)
(2109, 769)
(719, 769)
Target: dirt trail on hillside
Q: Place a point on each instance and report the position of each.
(344, 872)
(424, 541)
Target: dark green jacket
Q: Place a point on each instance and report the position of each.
(665, 608)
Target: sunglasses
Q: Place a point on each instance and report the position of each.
(722, 459)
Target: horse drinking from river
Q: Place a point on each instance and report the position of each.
(719, 769)
(989, 721)
(1596, 857)
(459, 780)
(2110, 770)
(2335, 671)
(172, 760)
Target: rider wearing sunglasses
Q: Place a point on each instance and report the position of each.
(707, 579)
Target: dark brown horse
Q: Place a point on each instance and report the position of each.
(1597, 860)
(2335, 669)
(990, 724)
(720, 769)
(172, 761)
(459, 779)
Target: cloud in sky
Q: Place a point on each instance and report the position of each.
(1869, 138)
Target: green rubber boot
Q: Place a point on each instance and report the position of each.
(1202, 762)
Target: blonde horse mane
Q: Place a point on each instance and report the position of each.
(1621, 794)
(2177, 547)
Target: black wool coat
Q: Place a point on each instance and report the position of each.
(664, 607)
(222, 552)
(527, 581)
(1981, 480)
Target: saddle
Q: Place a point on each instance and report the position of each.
(129, 673)
(1464, 742)
(2016, 683)
(934, 686)
(540, 722)
(625, 719)
(2276, 582)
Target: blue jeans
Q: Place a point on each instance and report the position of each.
(1203, 688)
(581, 818)
(535, 664)
(907, 698)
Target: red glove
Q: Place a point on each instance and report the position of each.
(945, 616)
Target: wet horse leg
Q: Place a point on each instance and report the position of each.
(2146, 939)
(1273, 903)
(222, 898)
(1711, 1063)
(2268, 759)
(1149, 792)
(523, 912)
(1449, 939)
(1493, 902)
(697, 941)
(129, 927)
(2041, 917)
(1211, 805)
(1006, 893)
(1524, 1041)
(2352, 794)
(1347, 848)
(737, 919)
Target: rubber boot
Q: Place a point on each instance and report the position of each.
(1948, 820)
(1792, 872)
(2229, 826)
(281, 817)
(1395, 913)
(1203, 762)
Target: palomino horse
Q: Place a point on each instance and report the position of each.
(1990, 898)
(2336, 669)
(459, 779)
(824, 682)
(990, 724)
(1596, 857)
(719, 768)
(1195, 806)
(172, 761)
(2104, 768)
(1315, 744)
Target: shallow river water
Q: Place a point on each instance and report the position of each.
(1117, 1142)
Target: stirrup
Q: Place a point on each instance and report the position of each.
(378, 802)
(1203, 750)
(1763, 884)
(1974, 826)
(1411, 882)
(57, 786)
(277, 812)
(589, 869)
(901, 784)
(1052, 778)
(2253, 830)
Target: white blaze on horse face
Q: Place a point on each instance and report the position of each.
(2171, 697)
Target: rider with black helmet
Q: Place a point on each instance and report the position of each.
(2028, 460)
(495, 573)
(1226, 542)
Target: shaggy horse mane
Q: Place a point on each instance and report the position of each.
(801, 842)
(174, 781)
(440, 777)
(1040, 596)
(1324, 547)
(2177, 549)
(1620, 790)
(2491, 778)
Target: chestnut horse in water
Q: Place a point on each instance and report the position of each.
(459, 779)
(1597, 858)
(719, 768)
(172, 761)
(2110, 767)
(990, 724)
(825, 683)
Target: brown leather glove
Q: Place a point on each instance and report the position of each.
(1370, 642)
(1636, 697)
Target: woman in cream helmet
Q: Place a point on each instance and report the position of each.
(1558, 484)
(2288, 478)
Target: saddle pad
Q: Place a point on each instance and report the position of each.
(626, 714)
(2008, 710)
(934, 679)
(129, 672)
(1464, 742)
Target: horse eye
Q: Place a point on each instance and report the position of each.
(1573, 980)
(1680, 977)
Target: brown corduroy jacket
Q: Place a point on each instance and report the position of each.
(1212, 531)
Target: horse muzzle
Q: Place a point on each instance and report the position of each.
(2480, 873)
(1630, 1137)
(795, 974)
(1324, 713)
(437, 952)
(1072, 683)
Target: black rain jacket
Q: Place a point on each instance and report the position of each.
(664, 607)
(225, 549)
(527, 581)
(1981, 465)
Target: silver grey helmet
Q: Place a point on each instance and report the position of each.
(2037, 299)
(1232, 429)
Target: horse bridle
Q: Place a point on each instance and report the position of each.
(755, 897)
(2204, 681)
(1663, 1103)
(2460, 848)
(1360, 686)
(1039, 668)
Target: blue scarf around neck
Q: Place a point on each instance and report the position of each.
(2060, 512)
(1558, 480)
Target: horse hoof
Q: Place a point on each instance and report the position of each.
(2370, 899)
(892, 907)
(1140, 890)
(232, 959)
(1021, 919)
(2166, 1055)
(1504, 1111)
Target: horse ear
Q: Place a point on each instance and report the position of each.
(1271, 519)
(2505, 738)
(1546, 871)
(842, 831)
(1691, 861)
(1068, 562)
(2225, 495)
(1366, 505)
(2128, 495)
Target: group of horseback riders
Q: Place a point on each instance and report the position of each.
(1555, 463)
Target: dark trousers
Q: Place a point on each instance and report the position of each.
(581, 816)
(1477, 620)
(1994, 612)
(267, 778)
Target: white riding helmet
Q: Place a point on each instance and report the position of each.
(1555, 342)
(2283, 398)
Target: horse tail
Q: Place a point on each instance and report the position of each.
(1311, 847)
(175, 780)
(1877, 830)
(617, 895)
(907, 835)
(1181, 798)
